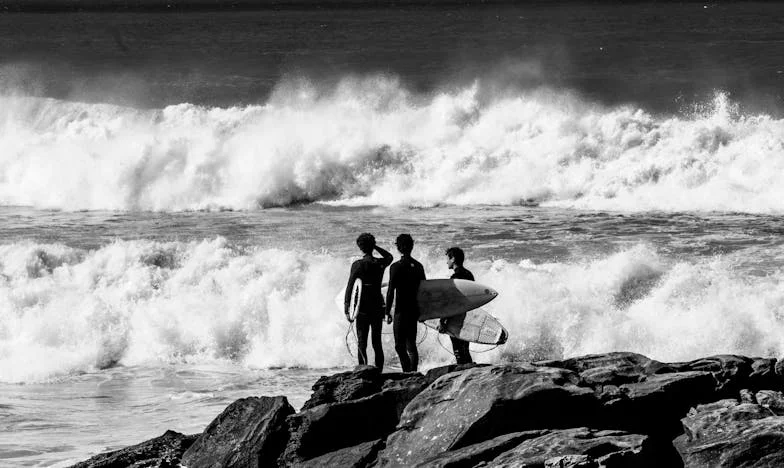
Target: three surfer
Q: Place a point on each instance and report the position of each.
(405, 276)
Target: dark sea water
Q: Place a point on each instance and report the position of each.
(660, 56)
(180, 194)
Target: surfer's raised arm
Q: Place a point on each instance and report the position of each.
(386, 257)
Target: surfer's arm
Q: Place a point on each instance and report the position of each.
(350, 286)
(386, 257)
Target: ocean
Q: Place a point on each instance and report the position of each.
(180, 194)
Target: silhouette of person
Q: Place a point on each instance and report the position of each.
(370, 313)
(404, 278)
(454, 260)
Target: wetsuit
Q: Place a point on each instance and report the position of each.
(460, 347)
(404, 278)
(370, 315)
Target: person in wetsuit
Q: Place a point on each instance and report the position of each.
(404, 278)
(454, 260)
(370, 314)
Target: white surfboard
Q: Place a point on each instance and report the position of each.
(476, 326)
(439, 298)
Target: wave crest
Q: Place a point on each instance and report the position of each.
(370, 141)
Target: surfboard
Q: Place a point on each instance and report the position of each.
(476, 326)
(356, 294)
(439, 298)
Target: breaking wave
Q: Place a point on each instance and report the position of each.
(66, 310)
(370, 141)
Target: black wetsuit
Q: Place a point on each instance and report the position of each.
(370, 315)
(460, 347)
(404, 278)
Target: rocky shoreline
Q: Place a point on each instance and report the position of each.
(615, 410)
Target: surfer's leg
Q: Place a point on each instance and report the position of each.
(363, 327)
(411, 346)
(398, 328)
(460, 348)
(375, 340)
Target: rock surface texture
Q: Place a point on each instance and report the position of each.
(606, 410)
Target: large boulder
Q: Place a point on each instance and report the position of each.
(358, 456)
(729, 433)
(656, 404)
(615, 368)
(359, 383)
(482, 452)
(336, 419)
(599, 448)
(477, 404)
(161, 452)
(249, 433)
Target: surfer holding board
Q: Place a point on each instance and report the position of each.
(363, 301)
(404, 278)
(454, 260)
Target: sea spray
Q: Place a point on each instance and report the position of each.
(370, 141)
(66, 310)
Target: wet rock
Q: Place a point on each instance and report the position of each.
(358, 456)
(571, 461)
(250, 432)
(582, 447)
(327, 428)
(728, 433)
(359, 383)
(474, 455)
(611, 368)
(655, 405)
(161, 452)
(763, 375)
(772, 400)
(730, 371)
(477, 404)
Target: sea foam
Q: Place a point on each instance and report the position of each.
(370, 141)
(65, 311)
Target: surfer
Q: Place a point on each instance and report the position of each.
(404, 278)
(370, 314)
(454, 260)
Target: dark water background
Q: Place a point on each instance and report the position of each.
(663, 57)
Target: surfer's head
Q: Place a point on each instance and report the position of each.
(455, 256)
(366, 242)
(405, 243)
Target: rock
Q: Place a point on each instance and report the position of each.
(763, 375)
(772, 400)
(730, 371)
(611, 368)
(571, 461)
(599, 447)
(655, 405)
(250, 432)
(161, 452)
(359, 383)
(474, 455)
(477, 404)
(330, 427)
(358, 456)
(731, 434)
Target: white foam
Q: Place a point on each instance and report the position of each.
(371, 141)
(65, 311)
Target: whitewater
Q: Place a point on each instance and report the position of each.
(156, 264)
(369, 141)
